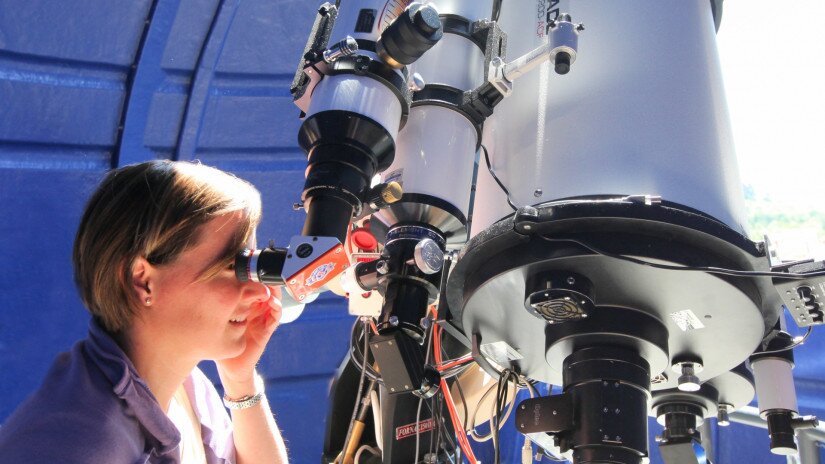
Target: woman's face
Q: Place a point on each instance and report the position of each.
(207, 318)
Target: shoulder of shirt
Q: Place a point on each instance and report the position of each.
(73, 417)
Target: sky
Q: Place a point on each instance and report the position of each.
(773, 61)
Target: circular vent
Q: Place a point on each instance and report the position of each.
(559, 310)
(557, 306)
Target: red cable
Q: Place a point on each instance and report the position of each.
(457, 362)
(448, 399)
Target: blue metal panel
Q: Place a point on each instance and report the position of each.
(63, 73)
(180, 79)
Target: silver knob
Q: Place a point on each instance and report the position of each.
(428, 256)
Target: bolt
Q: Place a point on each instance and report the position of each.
(555, 412)
(523, 407)
(292, 282)
(537, 193)
(606, 437)
(688, 381)
(722, 418)
(605, 410)
(571, 281)
(382, 267)
(618, 438)
(425, 323)
(393, 321)
(416, 82)
(392, 389)
(301, 297)
(527, 227)
(618, 411)
(406, 387)
(521, 426)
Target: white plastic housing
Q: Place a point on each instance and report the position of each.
(434, 155)
(642, 111)
(774, 384)
(357, 94)
(442, 65)
(470, 9)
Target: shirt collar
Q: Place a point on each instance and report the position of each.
(161, 433)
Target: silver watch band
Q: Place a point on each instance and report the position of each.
(243, 403)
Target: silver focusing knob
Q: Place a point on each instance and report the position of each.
(429, 257)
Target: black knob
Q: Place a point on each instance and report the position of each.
(562, 63)
(427, 21)
(411, 34)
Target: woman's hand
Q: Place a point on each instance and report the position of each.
(237, 374)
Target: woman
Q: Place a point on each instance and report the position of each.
(153, 260)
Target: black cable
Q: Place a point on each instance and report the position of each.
(495, 177)
(502, 396)
(791, 346)
(428, 342)
(496, 10)
(435, 430)
(360, 389)
(464, 402)
(446, 434)
(355, 348)
(708, 269)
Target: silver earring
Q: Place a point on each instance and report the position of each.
(148, 300)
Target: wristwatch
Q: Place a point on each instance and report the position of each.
(243, 403)
(249, 400)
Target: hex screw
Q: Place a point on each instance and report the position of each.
(688, 381)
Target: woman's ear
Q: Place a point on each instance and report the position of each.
(142, 275)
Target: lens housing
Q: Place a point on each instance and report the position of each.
(262, 265)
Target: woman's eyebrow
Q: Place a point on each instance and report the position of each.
(227, 252)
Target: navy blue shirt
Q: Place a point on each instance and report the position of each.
(93, 407)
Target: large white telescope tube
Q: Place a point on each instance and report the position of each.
(643, 111)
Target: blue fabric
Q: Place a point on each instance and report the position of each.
(93, 407)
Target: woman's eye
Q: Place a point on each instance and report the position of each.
(231, 265)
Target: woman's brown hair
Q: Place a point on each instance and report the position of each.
(151, 210)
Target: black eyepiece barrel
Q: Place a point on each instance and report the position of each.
(264, 266)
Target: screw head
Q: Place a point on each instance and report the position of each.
(382, 267)
(416, 82)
